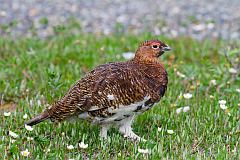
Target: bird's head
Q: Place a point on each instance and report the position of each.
(151, 50)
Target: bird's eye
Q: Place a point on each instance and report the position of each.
(155, 46)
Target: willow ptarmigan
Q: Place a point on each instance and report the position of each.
(114, 93)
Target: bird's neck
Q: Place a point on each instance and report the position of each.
(146, 59)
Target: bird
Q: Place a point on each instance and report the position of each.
(113, 94)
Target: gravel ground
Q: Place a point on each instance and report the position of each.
(196, 18)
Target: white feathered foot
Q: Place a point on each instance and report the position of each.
(126, 129)
(103, 131)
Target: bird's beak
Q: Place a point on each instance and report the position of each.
(167, 48)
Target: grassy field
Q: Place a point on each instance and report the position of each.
(34, 73)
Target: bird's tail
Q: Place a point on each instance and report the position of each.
(39, 118)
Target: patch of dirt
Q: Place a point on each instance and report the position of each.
(8, 107)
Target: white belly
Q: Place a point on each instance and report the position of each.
(120, 113)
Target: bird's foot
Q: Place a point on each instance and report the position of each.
(135, 137)
(103, 131)
(128, 133)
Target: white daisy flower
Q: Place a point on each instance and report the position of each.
(182, 109)
(180, 96)
(222, 106)
(213, 82)
(82, 145)
(223, 102)
(186, 109)
(238, 90)
(180, 74)
(170, 131)
(159, 129)
(29, 138)
(7, 114)
(187, 95)
(144, 151)
(232, 70)
(179, 110)
(12, 140)
(14, 135)
(70, 147)
(29, 128)
(25, 116)
(25, 153)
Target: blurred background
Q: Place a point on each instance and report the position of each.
(199, 19)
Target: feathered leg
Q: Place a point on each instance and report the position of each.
(126, 129)
(104, 130)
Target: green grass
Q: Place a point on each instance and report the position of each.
(33, 70)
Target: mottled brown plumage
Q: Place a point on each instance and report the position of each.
(115, 92)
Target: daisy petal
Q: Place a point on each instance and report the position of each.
(25, 116)
(82, 145)
(70, 147)
(25, 153)
(29, 128)
(222, 106)
(170, 131)
(187, 95)
(179, 110)
(7, 114)
(186, 109)
(223, 102)
(12, 134)
(144, 151)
